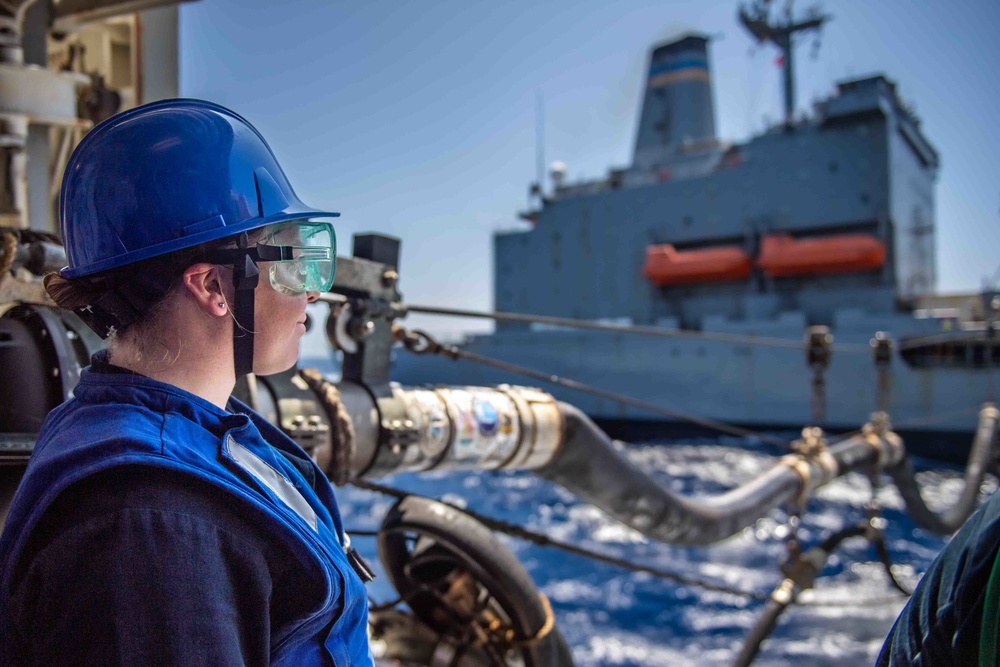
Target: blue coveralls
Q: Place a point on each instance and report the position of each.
(952, 610)
(263, 535)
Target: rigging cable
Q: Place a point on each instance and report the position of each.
(982, 454)
(420, 342)
(643, 330)
(454, 352)
(522, 533)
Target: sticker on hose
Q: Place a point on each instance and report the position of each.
(436, 428)
(486, 417)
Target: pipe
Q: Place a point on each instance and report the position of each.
(451, 428)
(980, 458)
(589, 466)
(514, 428)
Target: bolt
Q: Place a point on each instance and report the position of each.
(360, 328)
(389, 277)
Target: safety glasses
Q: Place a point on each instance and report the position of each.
(303, 256)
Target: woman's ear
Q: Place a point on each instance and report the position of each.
(204, 283)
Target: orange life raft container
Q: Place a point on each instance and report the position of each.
(667, 266)
(783, 256)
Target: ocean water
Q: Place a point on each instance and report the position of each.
(611, 616)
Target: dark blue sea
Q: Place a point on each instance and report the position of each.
(611, 616)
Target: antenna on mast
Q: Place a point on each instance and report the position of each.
(540, 142)
(537, 188)
(756, 19)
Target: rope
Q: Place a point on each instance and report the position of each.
(9, 251)
(342, 434)
(641, 330)
(420, 342)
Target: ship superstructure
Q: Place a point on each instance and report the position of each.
(829, 213)
(826, 219)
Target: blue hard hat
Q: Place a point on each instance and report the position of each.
(167, 176)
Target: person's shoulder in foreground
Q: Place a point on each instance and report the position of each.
(952, 617)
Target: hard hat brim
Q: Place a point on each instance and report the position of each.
(188, 241)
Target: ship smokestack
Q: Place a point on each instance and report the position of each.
(677, 108)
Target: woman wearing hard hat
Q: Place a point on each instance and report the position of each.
(160, 521)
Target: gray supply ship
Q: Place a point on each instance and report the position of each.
(826, 220)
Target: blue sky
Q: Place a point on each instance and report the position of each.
(418, 119)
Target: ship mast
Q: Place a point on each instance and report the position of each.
(756, 20)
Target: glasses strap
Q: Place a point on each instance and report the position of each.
(246, 275)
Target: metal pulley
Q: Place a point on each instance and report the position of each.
(881, 349)
(819, 345)
(348, 326)
(881, 346)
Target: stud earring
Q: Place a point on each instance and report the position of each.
(222, 304)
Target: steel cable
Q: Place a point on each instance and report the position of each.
(527, 535)
(427, 345)
(420, 342)
(742, 339)
(520, 532)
